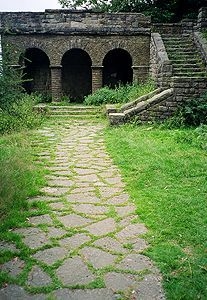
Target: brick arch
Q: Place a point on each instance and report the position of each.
(36, 70)
(76, 74)
(117, 67)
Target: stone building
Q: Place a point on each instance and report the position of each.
(73, 53)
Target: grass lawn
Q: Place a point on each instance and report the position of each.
(166, 177)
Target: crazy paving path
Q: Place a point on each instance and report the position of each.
(87, 244)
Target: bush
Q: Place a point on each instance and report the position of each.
(191, 113)
(121, 94)
(20, 115)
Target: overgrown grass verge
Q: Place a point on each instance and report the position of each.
(165, 174)
(121, 94)
(19, 178)
(20, 115)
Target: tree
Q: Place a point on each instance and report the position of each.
(160, 10)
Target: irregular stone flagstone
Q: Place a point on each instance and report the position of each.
(135, 262)
(54, 191)
(60, 182)
(54, 232)
(74, 241)
(117, 200)
(125, 210)
(90, 209)
(96, 294)
(33, 237)
(150, 288)
(38, 278)
(73, 220)
(108, 243)
(107, 192)
(73, 271)
(120, 282)
(50, 256)
(57, 206)
(15, 292)
(7, 246)
(13, 267)
(43, 219)
(131, 231)
(102, 227)
(97, 257)
(78, 198)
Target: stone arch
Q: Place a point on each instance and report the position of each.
(37, 71)
(117, 69)
(76, 74)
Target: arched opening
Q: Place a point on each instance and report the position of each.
(76, 74)
(36, 72)
(117, 68)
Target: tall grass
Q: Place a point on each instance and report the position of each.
(19, 178)
(121, 94)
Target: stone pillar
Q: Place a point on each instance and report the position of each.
(97, 77)
(56, 82)
(140, 73)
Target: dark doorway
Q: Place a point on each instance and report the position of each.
(36, 72)
(117, 68)
(76, 74)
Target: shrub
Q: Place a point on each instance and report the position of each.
(20, 115)
(121, 94)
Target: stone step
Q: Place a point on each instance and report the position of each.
(78, 112)
(182, 61)
(190, 74)
(187, 69)
(181, 51)
(183, 56)
(72, 107)
(75, 116)
(187, 65)
(179, 43)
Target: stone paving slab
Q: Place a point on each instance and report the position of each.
(89, 242)
(50, 256)
(74, 272)
(97, 257)
(33, 237)
(102, 227)
(75, 241)
(38, 278)
(73, 220)
(97, 294)
(13, 267)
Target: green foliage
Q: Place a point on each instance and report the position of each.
(10, 81)
(160, 10)
(18, 177)
(20, 115)
(191, 113)
(165, 174)
(120, 94)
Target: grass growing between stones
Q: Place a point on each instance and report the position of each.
(165, 174)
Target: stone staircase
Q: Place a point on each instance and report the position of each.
(74, 111)
(185, 58)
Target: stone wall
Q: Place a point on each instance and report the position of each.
(160, 65)
(64, 22)
(202, 18)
